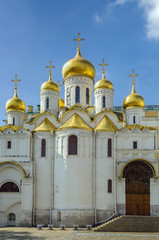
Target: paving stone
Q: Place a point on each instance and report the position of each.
(70, 234)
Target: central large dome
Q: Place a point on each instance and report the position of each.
(78, 66)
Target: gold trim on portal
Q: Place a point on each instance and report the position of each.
(139, 159)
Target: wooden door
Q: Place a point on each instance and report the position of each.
(137, 199)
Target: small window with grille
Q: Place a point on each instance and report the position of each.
(134, 145)
(87, 95)
(103, 101)
(9, 144)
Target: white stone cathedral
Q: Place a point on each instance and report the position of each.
(72, 162)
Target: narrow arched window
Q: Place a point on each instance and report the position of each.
(109, 147)
(72, 145)
(87, 95)
(109, 186)
(134, 119)
(68, 96)
(103, 101)
(9, 187)
(13, 120)
(43, 148)
(47, 103)
(77, 94)
(9, 144)
(59, 216)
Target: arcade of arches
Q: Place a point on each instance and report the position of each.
(137, 176)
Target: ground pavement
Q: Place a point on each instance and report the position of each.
(11, 233)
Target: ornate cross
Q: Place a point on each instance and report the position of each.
(133, 75)
(16, 80)
(50, 66)
(78, 39)
(103, 64)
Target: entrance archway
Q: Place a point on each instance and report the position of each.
(137, 176)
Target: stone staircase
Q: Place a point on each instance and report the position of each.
(130, 224)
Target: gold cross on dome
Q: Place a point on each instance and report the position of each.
(16, 80)
(50, 67)
(133, 75)
(78, 39)
(103, 64)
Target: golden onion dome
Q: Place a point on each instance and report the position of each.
(103, 83)
(133, 100)
(15, 104)
(61, 102)
(50, 85)
(78, 66)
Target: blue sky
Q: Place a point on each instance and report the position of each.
(33, 32)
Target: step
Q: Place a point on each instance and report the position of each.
(129, 223)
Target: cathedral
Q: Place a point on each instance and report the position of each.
(73, 161)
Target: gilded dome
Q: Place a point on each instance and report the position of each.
(133, 100)
(50, 85)
(78, 66)
(103, 83)
(15, 104)
(61, 102)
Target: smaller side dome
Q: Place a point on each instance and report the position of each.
(61, 102)
(103, 83)
(133, 100)
(15, 104)
(50, 85)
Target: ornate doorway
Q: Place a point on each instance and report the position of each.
(137, 176)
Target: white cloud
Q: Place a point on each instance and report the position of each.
(120, 2)
(107, 11)
(151, 15)
(98, 18)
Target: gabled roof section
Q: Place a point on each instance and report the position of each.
(77, 106)
(120, 115)
(140, 127)
(11, 127)
(106, 125)
(107, 111)
(32, 120)
(75, 122)
(45, 126)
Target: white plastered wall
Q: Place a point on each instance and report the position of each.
(104, 171)
(43, 170)
(98, 95)
(53, 101)
(73, 173)
(10, 199)
(17, 115)
(130, 113)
